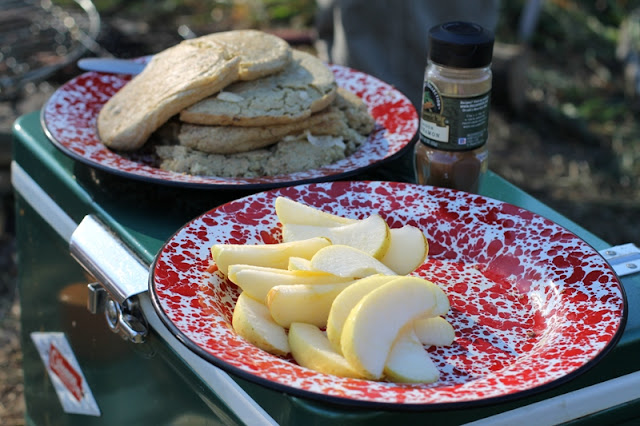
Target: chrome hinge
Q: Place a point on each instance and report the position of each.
(624, 258)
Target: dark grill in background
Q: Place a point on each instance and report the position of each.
(37, 38)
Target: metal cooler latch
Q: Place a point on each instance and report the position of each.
(120, 277)
(125, 320)
(624, 258)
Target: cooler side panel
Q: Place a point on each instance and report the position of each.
(131, 383)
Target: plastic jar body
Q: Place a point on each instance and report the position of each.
(448, 164)
(454, 119)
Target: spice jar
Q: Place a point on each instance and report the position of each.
(452, 148)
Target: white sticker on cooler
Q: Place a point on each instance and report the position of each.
(65, 373)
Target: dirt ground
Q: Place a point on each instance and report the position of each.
(555, 159)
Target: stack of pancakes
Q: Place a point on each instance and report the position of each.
(242, 103)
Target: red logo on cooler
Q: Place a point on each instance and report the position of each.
(62, 368)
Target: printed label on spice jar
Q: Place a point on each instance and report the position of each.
(453, 124)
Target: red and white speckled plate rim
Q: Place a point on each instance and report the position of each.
(69, 120)
(533, 305)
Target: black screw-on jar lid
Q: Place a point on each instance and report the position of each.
(461, 45)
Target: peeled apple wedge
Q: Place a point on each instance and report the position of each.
(256, 281)
(303, 303)
(290, 211)
(272, 255)
(299, 264)
(252, 321)
(374, 323)
(434, 331)
(347, 300)
(311, 349)
(408, 249)
(346, 261)
(409, 362)
(442, 304)
(371, 235)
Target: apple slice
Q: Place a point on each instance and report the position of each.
(346, 261)
(299, 264)
(375, 322)
(370, 235)
(442, 304)
(256, 281)
(290, 211)
(271, 255)
(311, 349)
(408, 248)
(434, 331)
(252, 321)
(345, 302)
(303, 303)
(409, 362)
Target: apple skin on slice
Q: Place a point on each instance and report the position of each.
(311, 349)
(347, 300)
(271, 255)
(371, 235)
(252, 321)
(290, 211)
(375, 322)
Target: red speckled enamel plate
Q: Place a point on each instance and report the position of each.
(532, 304)
(69, 119)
